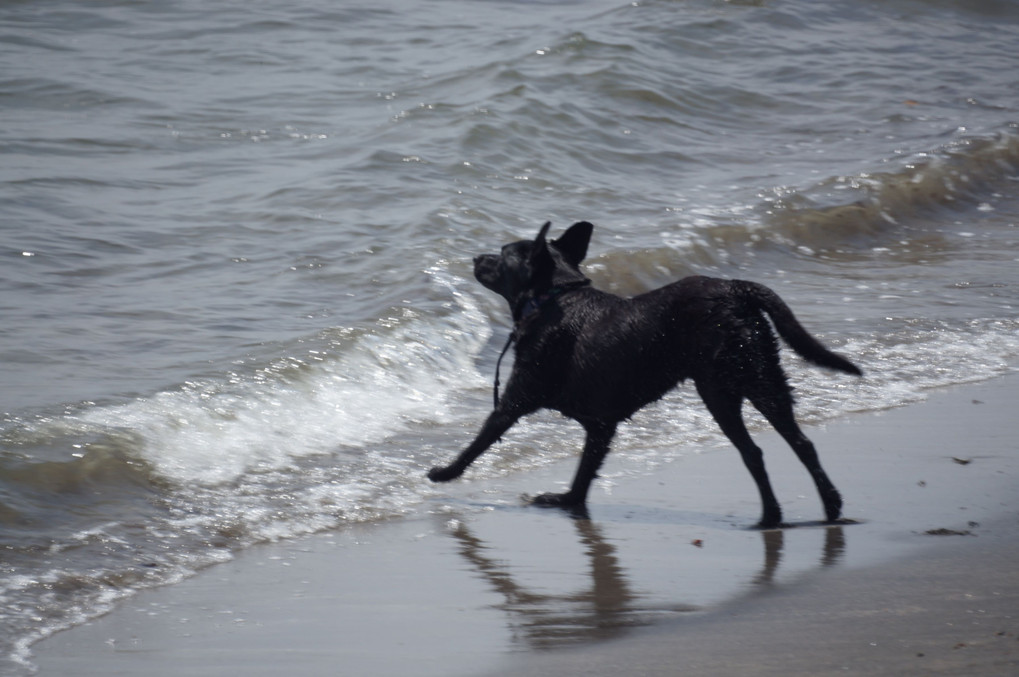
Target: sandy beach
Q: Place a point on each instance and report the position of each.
(667, 577)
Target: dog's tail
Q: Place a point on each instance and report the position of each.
(790, 329)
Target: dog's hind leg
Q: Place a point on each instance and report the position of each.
(596, 447)
(779, 412)
(726, 408)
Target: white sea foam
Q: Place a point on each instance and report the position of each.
(360, 389)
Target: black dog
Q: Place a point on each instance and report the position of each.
(598, 358)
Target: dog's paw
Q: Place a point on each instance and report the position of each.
(770, 520)
(555, 501)
(833, 507)
(573, 507)
(444, 474)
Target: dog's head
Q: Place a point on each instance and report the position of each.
(529, 268)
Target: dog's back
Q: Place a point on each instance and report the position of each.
(696, 328)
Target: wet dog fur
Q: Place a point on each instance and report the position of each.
(598, 358)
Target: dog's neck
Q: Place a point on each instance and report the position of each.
(526, 310)
(529, 307)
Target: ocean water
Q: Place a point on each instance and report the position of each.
(236, 295)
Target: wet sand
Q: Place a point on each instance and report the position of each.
(667, 577)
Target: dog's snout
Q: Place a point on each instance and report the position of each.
(485, 261)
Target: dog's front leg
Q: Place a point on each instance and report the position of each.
(499, 421)
(596, 447)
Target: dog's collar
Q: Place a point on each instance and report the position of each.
(530, 308)
(533, 305)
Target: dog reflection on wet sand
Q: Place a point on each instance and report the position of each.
(608, 607)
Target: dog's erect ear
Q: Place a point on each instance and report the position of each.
(540, 258)
(540, 248)
(542, 233)
(573, 243)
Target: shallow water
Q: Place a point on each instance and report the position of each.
(237, 299)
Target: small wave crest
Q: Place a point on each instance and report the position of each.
(344, 388)
(839, 216)
(846, 208)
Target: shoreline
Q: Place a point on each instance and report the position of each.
(664, 577)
